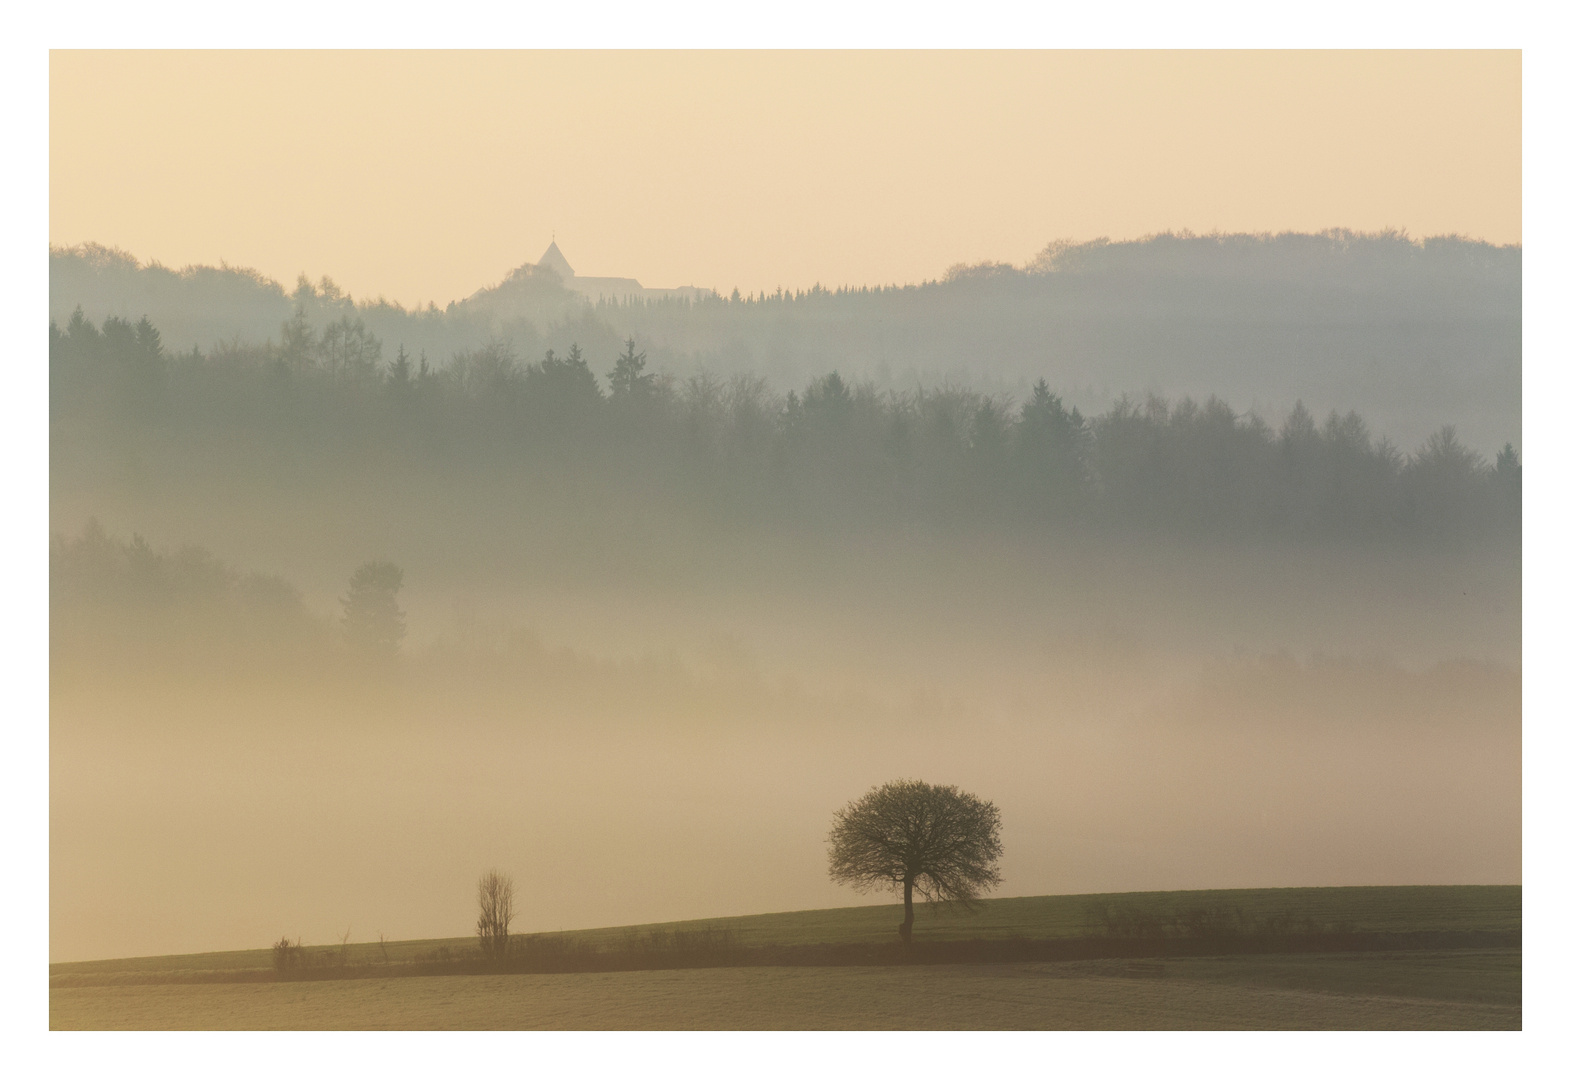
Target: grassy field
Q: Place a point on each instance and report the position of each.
(1412, 988)
(1400, 909)
(1473, 990)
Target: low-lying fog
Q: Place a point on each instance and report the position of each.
(1150, 718)
(658, 632)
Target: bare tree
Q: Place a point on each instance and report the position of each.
(495, 894)
(913, 837)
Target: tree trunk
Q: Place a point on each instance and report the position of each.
(905, 927)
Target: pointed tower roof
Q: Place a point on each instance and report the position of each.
(554, 258)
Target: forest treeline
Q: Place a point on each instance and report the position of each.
(134, 617)
(119, 607)
(1414, 333)
(834, 452)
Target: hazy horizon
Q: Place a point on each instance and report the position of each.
(617, 268)
(760, 170)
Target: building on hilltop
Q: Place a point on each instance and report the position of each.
(553, 259)
(609, 288)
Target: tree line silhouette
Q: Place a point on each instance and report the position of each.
(835, 452)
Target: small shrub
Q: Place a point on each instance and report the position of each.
(287, 955)
(1156, 921)
(708, 943)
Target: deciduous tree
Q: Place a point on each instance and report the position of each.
(495, 894)
(913, 837)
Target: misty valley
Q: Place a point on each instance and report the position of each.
(337, 624)
(782, 539)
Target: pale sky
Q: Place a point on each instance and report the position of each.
(424, 176)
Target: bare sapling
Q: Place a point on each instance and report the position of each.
(495, 894)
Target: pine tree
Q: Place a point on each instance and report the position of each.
(627, 378)
(400, 367)
(373, 621)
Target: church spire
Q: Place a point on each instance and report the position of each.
(554, 258)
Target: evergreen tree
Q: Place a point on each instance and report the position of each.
(373, 621)
(149, 345)
(627, 378)
(399, 371)
(1050, 448)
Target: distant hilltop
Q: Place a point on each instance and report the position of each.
(1413, 334)
(609, 288)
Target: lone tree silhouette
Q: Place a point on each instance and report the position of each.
(373, 622)
(495, 894)
(913, 837)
